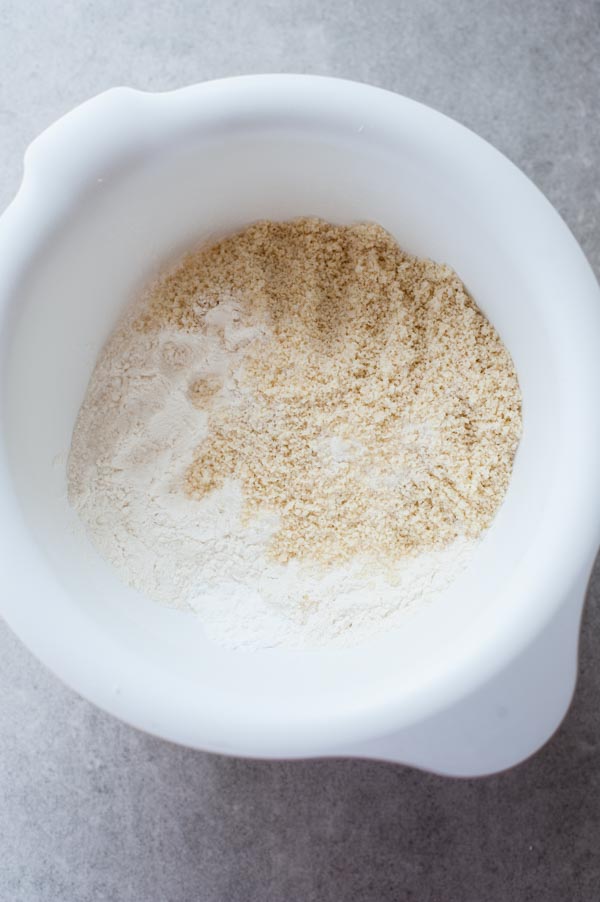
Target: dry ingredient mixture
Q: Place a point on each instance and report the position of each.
(298, 432)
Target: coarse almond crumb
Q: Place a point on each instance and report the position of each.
(381, 411)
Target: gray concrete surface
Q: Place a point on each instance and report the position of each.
(91, 810)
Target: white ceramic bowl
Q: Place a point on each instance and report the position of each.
(474, 682)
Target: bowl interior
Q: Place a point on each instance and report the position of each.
(134, 212)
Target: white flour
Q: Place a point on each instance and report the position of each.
(133, 442)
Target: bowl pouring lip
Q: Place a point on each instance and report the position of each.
(56, 165)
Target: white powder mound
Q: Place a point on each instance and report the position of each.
(134, 440)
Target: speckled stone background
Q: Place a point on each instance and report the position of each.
(91, 810)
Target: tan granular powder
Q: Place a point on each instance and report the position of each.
(378, 413)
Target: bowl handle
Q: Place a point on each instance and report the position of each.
(507, 719)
